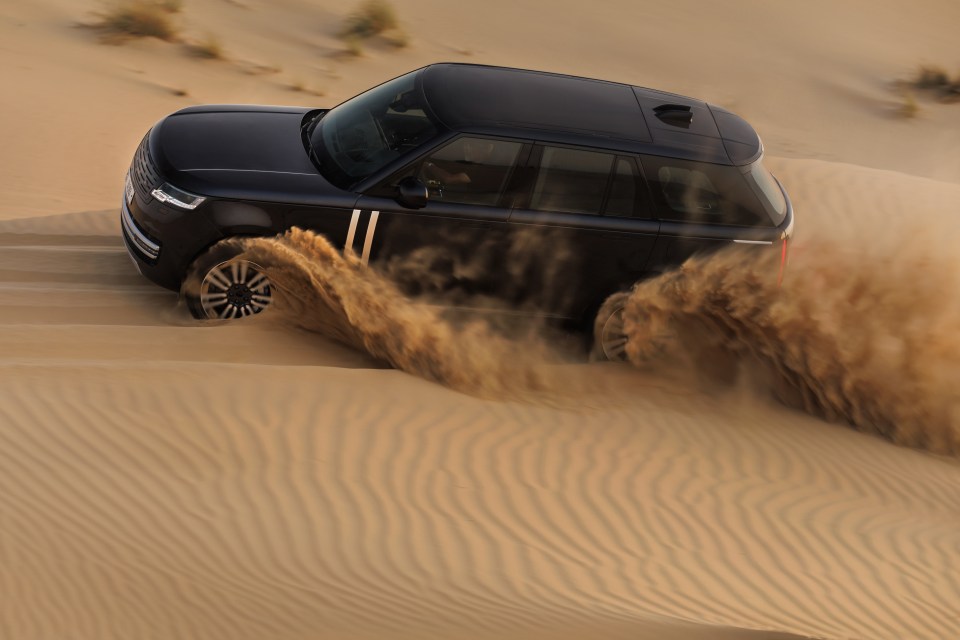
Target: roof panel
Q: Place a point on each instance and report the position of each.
(474, 95)
(561, 108)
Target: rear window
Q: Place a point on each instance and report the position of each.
(703, 193)
(768, 190)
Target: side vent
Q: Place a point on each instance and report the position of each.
(678, 115)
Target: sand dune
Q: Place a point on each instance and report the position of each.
(165, 479)
(169, 479)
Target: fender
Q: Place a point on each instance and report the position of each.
(242, 218)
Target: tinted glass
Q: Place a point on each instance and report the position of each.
(571, 180)
(623, 189)
(702, 193)
(365, 133)
(769, 191)
(469, 170)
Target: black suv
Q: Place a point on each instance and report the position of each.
(613, 183)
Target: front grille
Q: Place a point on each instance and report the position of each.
(144, 173)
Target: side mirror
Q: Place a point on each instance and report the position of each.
(412, 193)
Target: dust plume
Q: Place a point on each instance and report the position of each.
(322, 290)
(852, 335)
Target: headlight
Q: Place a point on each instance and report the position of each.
(177, 197)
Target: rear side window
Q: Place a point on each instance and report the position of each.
(702, 193)
(571, 180)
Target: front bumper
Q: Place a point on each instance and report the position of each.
(137, 240)
(161, 240)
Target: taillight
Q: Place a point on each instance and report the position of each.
(783, 259)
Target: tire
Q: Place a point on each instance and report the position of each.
(609, 338)
(220, 286)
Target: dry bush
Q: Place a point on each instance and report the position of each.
(353, 46)
(931, 77)
(139, 19)
(936, 79)
(300, 86)
(208, 48)
(171, 6)
(372, 18)
(397, 38)
(909, 108)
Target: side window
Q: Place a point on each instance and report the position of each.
(571, 180)
(700, 192)
(623, 189)
(469, 170)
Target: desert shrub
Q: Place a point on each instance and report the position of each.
(171, 6)
(937, 80)
(373, 17)
(353, 46)
(138, 19)
(909, 108)
(209, 48)
(931, 77)
(397, 38)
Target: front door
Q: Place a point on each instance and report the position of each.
(454, 246)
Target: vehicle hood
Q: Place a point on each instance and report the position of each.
(239, 151)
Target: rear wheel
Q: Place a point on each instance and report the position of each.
(609, 336)
(220, 285)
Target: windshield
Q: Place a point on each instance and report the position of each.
(366, 133)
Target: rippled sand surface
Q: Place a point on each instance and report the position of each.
(360, 468)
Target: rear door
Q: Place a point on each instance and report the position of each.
(455, 244)
(585, 226)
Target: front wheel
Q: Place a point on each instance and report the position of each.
(220, 285)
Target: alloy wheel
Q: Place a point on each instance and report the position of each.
(235, 289)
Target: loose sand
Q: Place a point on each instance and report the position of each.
(161, 479)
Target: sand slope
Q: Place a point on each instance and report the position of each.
(250, 481)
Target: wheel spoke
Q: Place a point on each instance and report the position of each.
(258, 282)
(617, 353)
(244, 269)
(615, 343)
(213, 298)
(219, 277)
